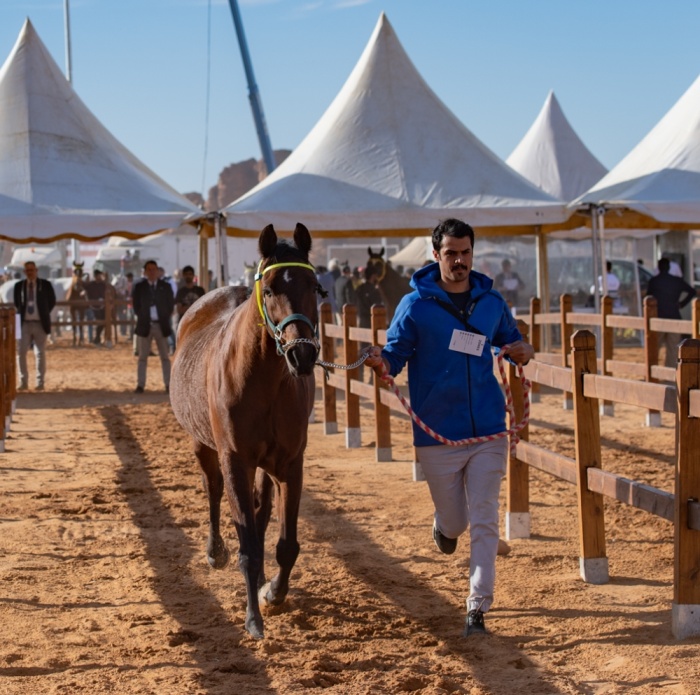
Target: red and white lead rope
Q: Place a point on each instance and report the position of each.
(512, 432)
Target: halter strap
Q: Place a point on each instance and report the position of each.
(277, 329)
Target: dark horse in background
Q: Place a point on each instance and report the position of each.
(392, 286)
(243, 387)
(76, 297)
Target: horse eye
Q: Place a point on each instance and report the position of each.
(267, 292)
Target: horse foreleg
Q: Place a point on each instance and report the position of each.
(263, 510)
(288, 498)
(217, 554)
(239, 481)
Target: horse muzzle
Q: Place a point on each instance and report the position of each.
(301, 355)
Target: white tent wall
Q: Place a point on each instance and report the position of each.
(173, 251)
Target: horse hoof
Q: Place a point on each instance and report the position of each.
(267, 598)
(253, 629)
(221, 559)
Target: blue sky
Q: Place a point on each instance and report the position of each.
(141, 67)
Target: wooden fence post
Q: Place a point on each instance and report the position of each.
(565, 307)
(382, 413)
(651, 354)
(330, 414)
(695, 317)
(685, 610)
(606, 348)
(535, 341)
(593, 562)
(353, 433)
(518, 472)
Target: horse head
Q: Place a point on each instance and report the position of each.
(78, 268)
(285, 290)
(376, 262)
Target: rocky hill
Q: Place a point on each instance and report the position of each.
(234, 181)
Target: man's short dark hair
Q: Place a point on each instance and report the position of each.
(664, 265)
(151, 262)
(188, 269)
(454, 228)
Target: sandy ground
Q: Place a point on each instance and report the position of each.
(104, 586)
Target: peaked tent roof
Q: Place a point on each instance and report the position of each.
(388, 158)
(658, 182)
(554, 157)
(62, 174)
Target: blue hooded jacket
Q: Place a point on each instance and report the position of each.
(455, 394)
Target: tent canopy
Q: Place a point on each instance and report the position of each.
(658, 183)
(554, 157)
(388, 158)
(62, 174)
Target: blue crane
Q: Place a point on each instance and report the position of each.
(253, 91)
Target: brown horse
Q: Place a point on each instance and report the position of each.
(76, 297)
(242, 386)
(392, 286)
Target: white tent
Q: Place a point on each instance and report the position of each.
(415, 253)
(554, 157)
(388, 158)
(62, 174)
(658, 183)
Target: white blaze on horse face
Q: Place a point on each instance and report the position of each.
(287, 276)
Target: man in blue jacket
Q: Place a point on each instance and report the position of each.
(445, 330)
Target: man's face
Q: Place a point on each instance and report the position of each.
(455, 258)
(99, 277)
(30, 271)
(188, 277)
(151, 272)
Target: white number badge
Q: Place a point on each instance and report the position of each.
(469, 343)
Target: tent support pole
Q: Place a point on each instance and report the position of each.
(203, 259)
(542, 265)
(221, 259)
(595, 241)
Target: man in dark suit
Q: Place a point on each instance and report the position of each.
(153, 303)
(34, 299)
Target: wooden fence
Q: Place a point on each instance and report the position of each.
(579, 377)
(605, 324)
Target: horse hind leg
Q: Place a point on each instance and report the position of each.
(217, 554)
(288, 497)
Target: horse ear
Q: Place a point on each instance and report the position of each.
(267, 243)
(381, 253)
(369, 251)
(302, 239)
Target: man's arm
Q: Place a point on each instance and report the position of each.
(690, 294)
(170, 299)
(51, 295)
(17, 295)
(136, 298)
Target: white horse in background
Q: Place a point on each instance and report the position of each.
(60, 288)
